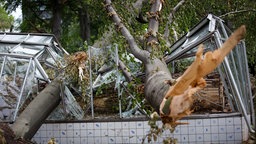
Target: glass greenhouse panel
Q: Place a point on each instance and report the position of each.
(28, 63)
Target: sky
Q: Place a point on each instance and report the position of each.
(17, 14)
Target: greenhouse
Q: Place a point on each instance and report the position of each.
(28, 63)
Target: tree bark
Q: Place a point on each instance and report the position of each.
(84, 22)
(30, 120)
(56, 19)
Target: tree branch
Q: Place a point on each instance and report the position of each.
(235, 12)
(170, 19)
(134, 48)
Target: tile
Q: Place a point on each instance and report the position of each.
(222, 121)
(70, 133)
(63, 126)
(237, 120)
(230, 128)
(207, 129)
(76, 126)
(140, 124)
(56, 126)
(132, 132)
(230, 121)
(177, 130)
(90, 140)
(104, 140)
(132, 125)
(118, 125)
(146, 126)
(56, 134)
(206, 122)
(139, 139)
(97, 140)
(97, 125)
(214, 122)
(90, 126)
(215, 137)
(191, 130)
(125, 125)
(118, 132)
(111, 132)
(84, 140)
(222, 129)
(63, 141)
(83, 133)
(37, 134)
(63, 134)
(214, 129)
(125, 140)
(184, 138)
(140, 132)
(83, 126)
(111, 140)
(77, 133)
(70, 140)
(222, 137)
(104, 125)
(199, 129)
(230, 136)
(111, 125)
(50, 134)
(36, 139)
(44, 140)
(49, 127)
(238, 136)
(125, 133)
(184, 129)
(192, 122)
(97, 132)
(207, 137)
(133, 139)
(199, 137)
(90, 133)
(70, 126)
(77, 140)
(43, 133)
(104, 132)
(43, 127)
(199, 122)
(238, 128)
(118, 139)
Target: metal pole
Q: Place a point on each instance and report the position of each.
(118, 84)
(22, 89)
(91, 90)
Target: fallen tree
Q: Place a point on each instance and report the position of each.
(171, 98)
(33, 116)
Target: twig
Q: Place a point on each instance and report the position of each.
(235, 12)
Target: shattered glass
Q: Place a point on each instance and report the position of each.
(28, 63)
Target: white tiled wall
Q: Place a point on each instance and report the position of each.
(212, 130)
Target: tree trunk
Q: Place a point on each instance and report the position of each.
(84, 22)
(30, 120)
(56, 19)
(156, 87)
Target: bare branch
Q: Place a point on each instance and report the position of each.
(170, 19)
(134, 48)
(235, 12)
(138, 4)
(153, 23)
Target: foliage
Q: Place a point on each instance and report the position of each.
(156, 131)
(6, 21)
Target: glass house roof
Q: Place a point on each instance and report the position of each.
(27, 63)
